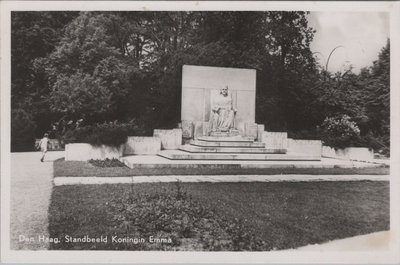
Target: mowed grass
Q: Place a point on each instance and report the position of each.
(266, 216)
(64, 168)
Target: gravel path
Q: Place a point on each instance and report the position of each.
(31, 186)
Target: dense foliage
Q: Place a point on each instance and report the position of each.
(340, 132)
(106, 66)
(111, 134)
(23, 128)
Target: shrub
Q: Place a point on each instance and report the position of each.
(111, 134)
(190, 224)
(106, 163)
(340, 132)
(22, 131)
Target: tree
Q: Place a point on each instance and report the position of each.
(22, 130)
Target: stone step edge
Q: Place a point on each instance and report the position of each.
(239, 157)
(229, 144)
(226, 139)
(70, 180)
(223, 150)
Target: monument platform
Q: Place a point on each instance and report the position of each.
(158, 165)
(238, 150)
(246, 144)
(183, 155)
(230, 139)
(231, 148)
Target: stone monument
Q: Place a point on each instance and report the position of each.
(202, 86)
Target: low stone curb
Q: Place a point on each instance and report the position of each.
(60, 181)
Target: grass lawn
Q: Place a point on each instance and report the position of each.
(84, 169)
(218, 216)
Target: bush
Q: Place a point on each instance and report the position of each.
(380, 144)
(111, 134)
(340, 132)
(106, 163)
(187, 222)
(22, 131)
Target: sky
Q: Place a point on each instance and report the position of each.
(362, 35)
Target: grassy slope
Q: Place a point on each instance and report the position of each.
(285, 215)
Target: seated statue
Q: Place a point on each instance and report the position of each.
(222, 117)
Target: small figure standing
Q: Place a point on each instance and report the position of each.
(43, 145)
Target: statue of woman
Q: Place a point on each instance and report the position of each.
(222, 118)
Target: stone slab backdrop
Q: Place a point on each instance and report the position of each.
(200, 82)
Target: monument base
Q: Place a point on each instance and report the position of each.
(230, 133)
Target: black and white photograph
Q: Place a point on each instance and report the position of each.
(231, 131)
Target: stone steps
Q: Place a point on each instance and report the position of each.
(227, 144)
(235, 139)
(235, 150)
(182, 155)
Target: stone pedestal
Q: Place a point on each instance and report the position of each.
(251, 130)
(276, 140)
(260, 131)
(141, 145)
(187, 129)
(306, 147)
(170, 139)
(230, 133)
(198, 129)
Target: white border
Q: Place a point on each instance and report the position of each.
(391, 256)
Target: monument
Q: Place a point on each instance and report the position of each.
(218, 126)
(218, 116)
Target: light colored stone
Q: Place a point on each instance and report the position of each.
(170, 139)
(196, 166)
(60, 181)
(251, 130)
(237, 138)
(308, 147)
(206, 128)
(198, 142)
(198, 130)
(260, 130)
(199, 82)
(182, 155)
(275, 140)
(142, 145)
(349, 153)
(187, 129)
(85, 152)
(235, 150)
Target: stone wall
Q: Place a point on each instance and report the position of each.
(170, 139)
(141, 145)
(306, 147)
(275, 140)
(350, 153)
(85, 152)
